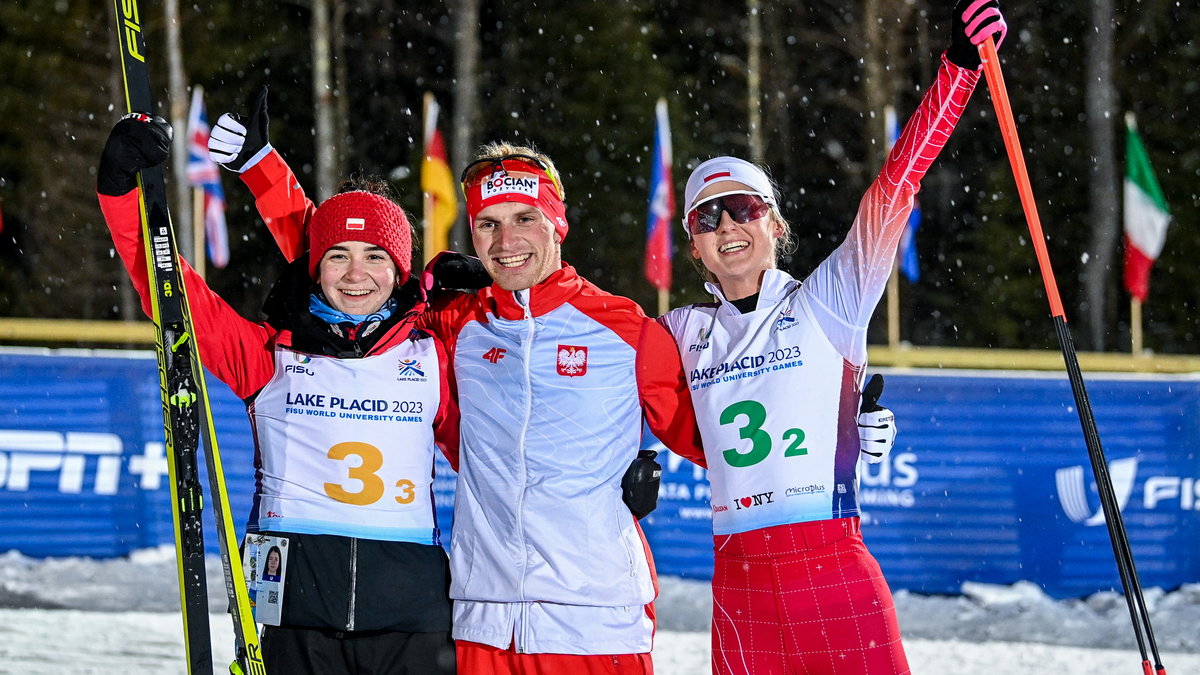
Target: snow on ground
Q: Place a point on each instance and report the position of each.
(104, 617)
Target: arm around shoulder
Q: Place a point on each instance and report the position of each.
(665, 396)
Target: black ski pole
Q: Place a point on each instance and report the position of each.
(1136, 601)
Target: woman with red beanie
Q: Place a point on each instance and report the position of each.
(348, 403)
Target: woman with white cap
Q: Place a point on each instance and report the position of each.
(775, 368)
(348, 403)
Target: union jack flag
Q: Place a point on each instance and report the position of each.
(202, 172)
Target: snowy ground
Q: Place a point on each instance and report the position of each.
(75, 615)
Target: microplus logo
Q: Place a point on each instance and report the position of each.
(1159, 492)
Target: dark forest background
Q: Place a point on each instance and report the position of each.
(580, 80)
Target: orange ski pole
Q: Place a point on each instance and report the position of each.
(1138, 612)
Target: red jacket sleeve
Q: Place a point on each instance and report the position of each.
(666, 398)
(445, 423)
(237, 351)
(281, 202)
(445, 315)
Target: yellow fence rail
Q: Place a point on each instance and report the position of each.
(70, 333)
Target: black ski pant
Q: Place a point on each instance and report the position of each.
(312, 651)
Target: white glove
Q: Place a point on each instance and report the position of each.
(235, 145)
(876, 434)
(226, 140)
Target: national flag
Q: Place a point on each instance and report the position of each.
(203, 173)
(906, 256)
(437, 182)
(1146, 215)
(659, 249)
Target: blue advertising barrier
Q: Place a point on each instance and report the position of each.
(989, 480)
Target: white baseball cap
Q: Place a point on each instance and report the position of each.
(726, 168)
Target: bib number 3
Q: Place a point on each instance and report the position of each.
(366, 473)
(754, 415)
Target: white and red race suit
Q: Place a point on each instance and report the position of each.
(553, 386)
(776, 391)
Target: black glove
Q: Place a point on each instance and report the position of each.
(137, 141)
(871, 394)
(452, 271)
(237, 143)
(973, 21)
(639, 485)
(876, 424)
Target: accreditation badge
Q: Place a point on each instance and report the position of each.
(264, 564)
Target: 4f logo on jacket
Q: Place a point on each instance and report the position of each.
(572, 361)
(494, 354)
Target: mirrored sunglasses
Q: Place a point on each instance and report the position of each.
(743, 207)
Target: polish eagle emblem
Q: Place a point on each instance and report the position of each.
(572, 360)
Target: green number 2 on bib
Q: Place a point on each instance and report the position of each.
(760, 441)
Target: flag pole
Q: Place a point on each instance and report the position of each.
(1135, 305)
(893, 285)
(428, 197)
(1135, 326)
(198, 228)
(893, 302)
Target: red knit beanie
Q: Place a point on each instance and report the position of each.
(360, 216)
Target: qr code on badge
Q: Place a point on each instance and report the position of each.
(273, 598)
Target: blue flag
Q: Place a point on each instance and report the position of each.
(907, 255)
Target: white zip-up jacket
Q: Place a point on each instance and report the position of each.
(553, 388)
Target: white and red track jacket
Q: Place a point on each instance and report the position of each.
(552, 393)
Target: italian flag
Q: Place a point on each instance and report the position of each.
(1146, 216)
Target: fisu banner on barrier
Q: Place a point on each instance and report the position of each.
(989, 480)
